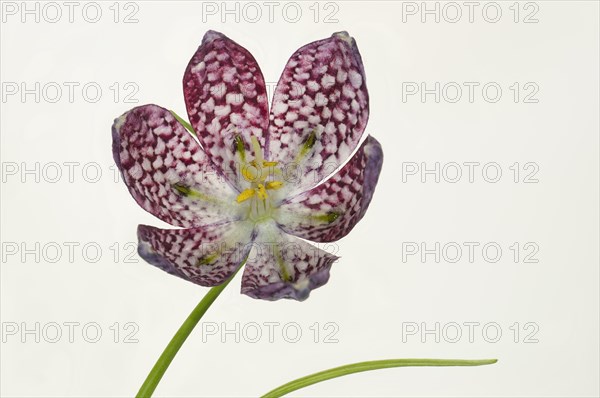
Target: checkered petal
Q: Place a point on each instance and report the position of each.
(320, 110)
(329, 211)
(282, 266)
(167, 172)
(205, 255)
(226, 101)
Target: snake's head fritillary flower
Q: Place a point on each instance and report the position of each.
(252, 182)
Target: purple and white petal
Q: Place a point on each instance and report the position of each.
(282, 266)
(167, 172)
(320, 109)
(206, 255)
(329, 211)
(226, 101)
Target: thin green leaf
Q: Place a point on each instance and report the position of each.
(366, 366)
(185, 123)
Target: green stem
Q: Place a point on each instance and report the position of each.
(366, 366)
(163, 362)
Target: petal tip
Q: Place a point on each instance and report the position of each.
(212, 35)
(374, 153)
(345, 36)
(342, 35)
(118, 122)
(151, 256)
(373, 147)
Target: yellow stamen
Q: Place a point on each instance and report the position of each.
(274, 184)
(245, 195)
(256, 172)
(261, 192)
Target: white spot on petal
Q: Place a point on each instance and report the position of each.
(229, 74)
(279, 108)
(330, 128)
(355, 79)
(197, 157)
(219, 90)
(300, 124)
(314, 119)
(306, 110)
(320, 99)
(301, 76)
(235, 118)
(234, 98)
(210, 56)
(163, 130)
(208, 106)
(146, 164)
(214, 127)
(338, 115)
(348, 92)
(313, 85)
(136, 171)
(158, 162)
(222, 110)
(327, 81)
(314, 199)
(251, 110)
(198, 67)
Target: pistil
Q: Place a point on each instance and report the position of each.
(256, 173)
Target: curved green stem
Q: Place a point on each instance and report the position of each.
(163, 362)
(366, 366)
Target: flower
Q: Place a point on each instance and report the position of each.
(253, 179)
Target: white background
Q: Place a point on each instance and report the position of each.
(373, 295)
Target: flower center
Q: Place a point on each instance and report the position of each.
(260, 174)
